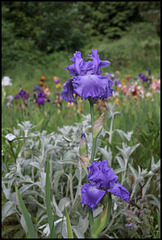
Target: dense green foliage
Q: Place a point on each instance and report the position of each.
(32, 29)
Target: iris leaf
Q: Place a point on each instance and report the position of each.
(28, 221)
(48, 204)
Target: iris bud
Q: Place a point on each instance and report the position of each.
(83, 150)
(98, 125)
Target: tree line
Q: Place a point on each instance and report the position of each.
(54, 26)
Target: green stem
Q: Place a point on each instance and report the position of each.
(91, 220)
(93, 149)
(94, 138)
(91, 111)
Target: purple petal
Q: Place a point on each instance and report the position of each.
(120, 191)
(17, 96)
(108, 90)
(40, 101)
(91, 195)
(97, 62)
(37, 87)
(94, 86)
(101, 175)
(67, 93)
(74, 69)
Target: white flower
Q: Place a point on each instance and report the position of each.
(148, 94)
(115, 94)
(6, 81)
(10, 137)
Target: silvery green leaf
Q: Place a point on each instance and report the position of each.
(67, 139)
(23, 223)
(56, 178)
(123, 152)
(157, 201)
(73, 162)
(63, 202)
(97, 211)
(43, 218)
(6, 191)
(50, 148)
(118, 170)
(134, 172)
(115, 113)
(8, 209)
(77, 173)
(39, 213)
(81, 228)
(120, 161)
(77, 232)
(61, 227)
(24, 188)
(124, 135)
(26, 179)
(144, 172)
(150, 173)
(43, 179)
(46, 230)
(107, 155)
(139, 179)
(144, 189)
(154, 167)
(16, 132)
(133, 148)
(4, 168)
(58, 212)
(35, 164)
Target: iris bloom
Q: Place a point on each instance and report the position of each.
(102, 180)
(42, 98)
(22, 93)
(6, 81)
(144, 79)
(87, 81)
(56, 79)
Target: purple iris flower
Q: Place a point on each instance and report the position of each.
(21, 93)
(37, 88)
(10, 98)
(116, 81)
(102, 179)
(143, 77)
(87, 81)
(41, 98)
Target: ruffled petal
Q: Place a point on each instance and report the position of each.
(108, 89)
(91, 196)
(68, 90)
(74, 69)
(101, 175)
(120, 191)
(97, 62)
(93, 86)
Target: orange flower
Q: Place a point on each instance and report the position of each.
(123, 80)
(117, 101)
(43, 78)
